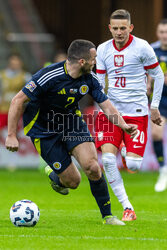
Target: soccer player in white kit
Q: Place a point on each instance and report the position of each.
(126, 60)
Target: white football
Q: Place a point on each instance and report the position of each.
(24, 213)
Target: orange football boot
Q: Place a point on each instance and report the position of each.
(128, 215)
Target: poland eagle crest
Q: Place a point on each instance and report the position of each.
(118, 60)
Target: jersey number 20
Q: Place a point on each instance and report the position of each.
(139, 137)
(120, 82)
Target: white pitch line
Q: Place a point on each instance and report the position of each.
(83, 237)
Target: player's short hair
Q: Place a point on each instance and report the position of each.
(121, 14)
(163, 21)
(79, 49)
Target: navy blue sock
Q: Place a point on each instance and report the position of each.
(158, 148)
(54, 177)
(100, 192)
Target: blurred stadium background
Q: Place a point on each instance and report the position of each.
(37, 30)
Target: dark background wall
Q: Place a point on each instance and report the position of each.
(72, 19)
(88, 19)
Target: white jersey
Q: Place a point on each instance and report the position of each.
(126, 69)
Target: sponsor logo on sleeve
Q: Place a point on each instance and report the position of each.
(31, 86)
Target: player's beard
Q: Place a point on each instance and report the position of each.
(86, 69)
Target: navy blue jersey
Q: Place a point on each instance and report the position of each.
(54, 97)
(162, 59)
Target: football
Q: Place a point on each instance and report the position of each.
(24, 213)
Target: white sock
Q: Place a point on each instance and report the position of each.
(163, 169)
(115, 180)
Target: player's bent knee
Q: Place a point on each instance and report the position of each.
(71, 180)
(133, 163)
(73, 183)
(92, 169)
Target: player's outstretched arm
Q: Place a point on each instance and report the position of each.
(14, 114)
(113, 116)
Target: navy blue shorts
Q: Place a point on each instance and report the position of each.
(55, 150)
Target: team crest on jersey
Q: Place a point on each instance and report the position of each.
(84, 89)
(118, 60)
(31, 86)
(57, 165)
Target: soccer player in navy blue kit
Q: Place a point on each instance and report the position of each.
(160, 48)
(53, 121)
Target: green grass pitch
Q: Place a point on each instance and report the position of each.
(74, 222)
